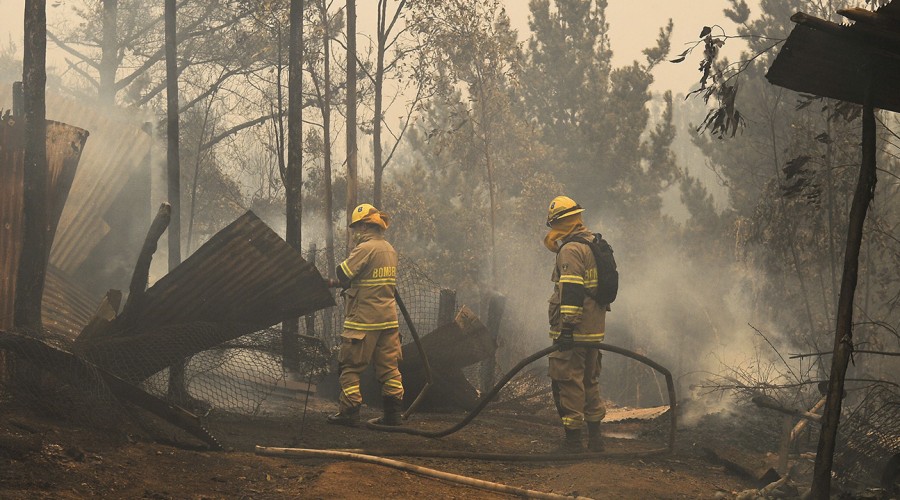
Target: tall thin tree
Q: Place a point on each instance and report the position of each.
(294, 172)
(173, 172)
(173, 167)
(352, 182)
(326, 135)
(109, 52)
(36, 236)
(383, 32)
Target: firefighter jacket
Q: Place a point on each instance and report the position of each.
(571, 307)
(371, 269)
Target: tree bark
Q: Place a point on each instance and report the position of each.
(352, 187)
(379, 103)
(37, 236)
(326, 133)
(843, 338)
(383, 32)
(109, 58)
(294, 172)
(172, 132)
(176, 389)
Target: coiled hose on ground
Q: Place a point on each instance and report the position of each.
(378, 456)
(490, 395)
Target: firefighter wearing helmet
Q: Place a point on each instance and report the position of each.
(575, 316)
(369, 279)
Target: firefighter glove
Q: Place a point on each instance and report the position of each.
(565, 341)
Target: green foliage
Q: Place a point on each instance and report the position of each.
(594, 115)
(790, 176)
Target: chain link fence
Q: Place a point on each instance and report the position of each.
(868, 437)
(249, 377)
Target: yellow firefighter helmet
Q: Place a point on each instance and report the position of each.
(361, 212)
(560, 207)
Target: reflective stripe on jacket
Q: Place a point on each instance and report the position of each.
(574, 275)
(372, 269)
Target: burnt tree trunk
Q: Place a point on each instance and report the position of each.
(352, 183)
(326, 134)
(173, 167)
(294, 171)
(177, 389)
(843, 338)
(37, 235)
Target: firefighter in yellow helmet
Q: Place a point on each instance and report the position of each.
(369, 279)
(575, 316)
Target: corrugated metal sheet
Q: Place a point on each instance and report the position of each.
(245, 273)
(117, 148)
(836, 63)
(64, 147)
(10, 215)
(244, 279)
(67, 307)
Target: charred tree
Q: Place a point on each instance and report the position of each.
(843, 337)
(177, 389)
(294, 171)
(37, 236)
(351, 111)
(326, 134)
(173, 167)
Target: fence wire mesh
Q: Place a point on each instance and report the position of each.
(250, 376)
(869, 436)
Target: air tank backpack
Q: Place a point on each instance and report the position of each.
(607, 274)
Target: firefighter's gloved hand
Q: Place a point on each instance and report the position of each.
(565, 341)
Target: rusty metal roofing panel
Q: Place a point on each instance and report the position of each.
(117, 148)
(244, 279)
(835, 63)
(11, 160)
(64, 146)
(245, 273)
(67, 308)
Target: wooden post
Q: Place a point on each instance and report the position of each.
(311, 318)
(784, 448)
(843, 338)
(36, 234)
(496, 307)
(446, 306)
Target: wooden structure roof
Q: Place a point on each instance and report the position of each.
(835, 60)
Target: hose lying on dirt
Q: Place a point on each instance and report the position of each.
(489, 396)
(415, 469)
(508, 457)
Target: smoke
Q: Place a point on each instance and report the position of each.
(693, 315)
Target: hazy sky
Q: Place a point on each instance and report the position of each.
(633, 26)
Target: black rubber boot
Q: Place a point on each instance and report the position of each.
(595, 438)
(391, 412)
(572, 442)
(348, 417)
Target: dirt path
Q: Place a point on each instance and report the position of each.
(71, 462)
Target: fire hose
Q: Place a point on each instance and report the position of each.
(378, 456)
(490, 395)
